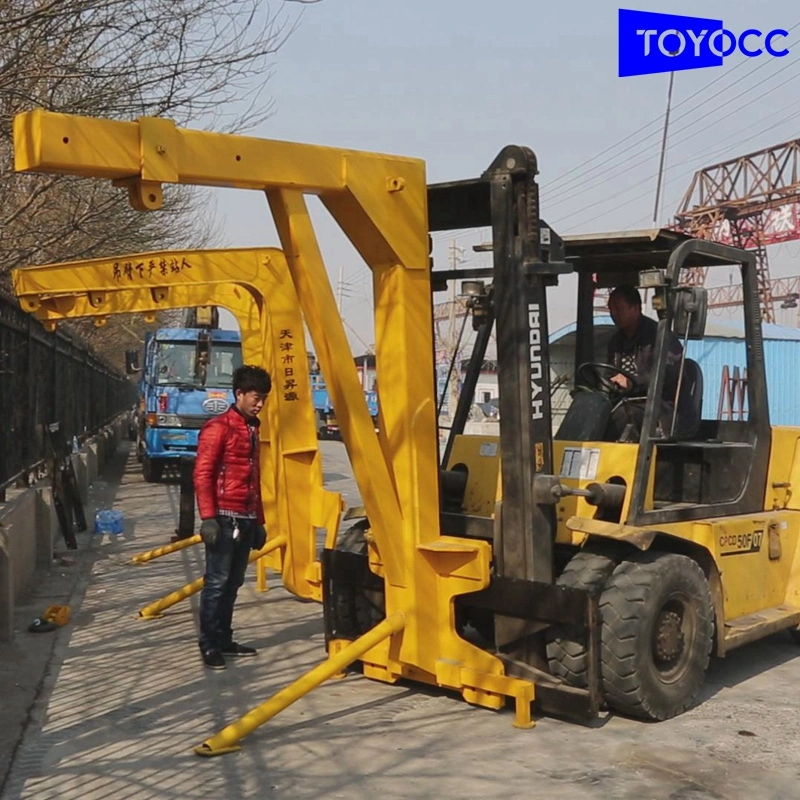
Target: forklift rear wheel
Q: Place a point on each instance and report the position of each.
(656, 636)
(152, 469)
(567, 646)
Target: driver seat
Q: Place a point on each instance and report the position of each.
(691, 397)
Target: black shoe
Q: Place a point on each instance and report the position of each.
(213, 659)
(235, 649)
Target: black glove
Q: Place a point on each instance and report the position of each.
(209, 531)
(259, 537)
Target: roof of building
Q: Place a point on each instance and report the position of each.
(714, 330)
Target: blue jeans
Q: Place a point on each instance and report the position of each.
(226, 563)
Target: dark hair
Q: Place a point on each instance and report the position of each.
(630, 294)
(248, 378)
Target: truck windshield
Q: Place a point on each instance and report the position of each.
(225, 358)
(176, 364)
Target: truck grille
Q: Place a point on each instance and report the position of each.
(193, 420)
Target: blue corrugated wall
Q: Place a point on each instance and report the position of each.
(783, 374)
(781, 353)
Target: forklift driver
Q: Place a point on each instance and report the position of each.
(631, 349)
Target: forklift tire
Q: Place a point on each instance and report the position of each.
(152, 469)
(657, 631)
(358, 609)
(566, 646)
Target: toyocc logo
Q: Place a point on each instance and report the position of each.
(651, 42)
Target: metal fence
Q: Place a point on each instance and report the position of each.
(47, 378)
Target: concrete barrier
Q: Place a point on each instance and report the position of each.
(29, 528)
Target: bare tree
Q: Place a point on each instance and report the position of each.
(204, 62)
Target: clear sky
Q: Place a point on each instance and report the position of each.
(453, 82)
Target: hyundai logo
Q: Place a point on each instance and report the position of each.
(215, 405)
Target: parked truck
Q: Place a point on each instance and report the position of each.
(184, 381)
(327, 426)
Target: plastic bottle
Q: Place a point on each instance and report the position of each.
(109, 522)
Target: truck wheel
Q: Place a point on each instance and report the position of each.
(152, 469)
(656, 636)
(567, 645)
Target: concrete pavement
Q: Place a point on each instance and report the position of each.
(127, 700)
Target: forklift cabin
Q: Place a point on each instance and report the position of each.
(717, 466)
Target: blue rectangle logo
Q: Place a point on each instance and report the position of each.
(650, 42)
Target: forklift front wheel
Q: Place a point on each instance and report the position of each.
(656, 636)
(567, 647)
(357, 608)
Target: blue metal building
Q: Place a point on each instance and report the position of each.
(723, 345)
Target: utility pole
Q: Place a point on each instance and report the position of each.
(663, 151)
(452, 344)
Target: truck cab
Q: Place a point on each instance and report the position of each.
(185, 381)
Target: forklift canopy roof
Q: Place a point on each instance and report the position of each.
(611, 255)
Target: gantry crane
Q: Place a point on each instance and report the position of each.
(751, 202)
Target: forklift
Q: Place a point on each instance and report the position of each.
(567, 570)
(619, 567)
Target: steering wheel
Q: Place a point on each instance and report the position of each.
(598, 375)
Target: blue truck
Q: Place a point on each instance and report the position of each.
(327, 426)
(184, 381)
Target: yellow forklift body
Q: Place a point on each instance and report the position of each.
(756, 557)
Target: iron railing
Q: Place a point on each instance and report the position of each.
(46, 378)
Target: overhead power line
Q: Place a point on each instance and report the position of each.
(558, 180)
(559, 198)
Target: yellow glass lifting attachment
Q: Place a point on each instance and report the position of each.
(156, 610)
(165, 550)
(380, 203)
(255, 286)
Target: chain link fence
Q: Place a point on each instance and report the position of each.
(47, 378)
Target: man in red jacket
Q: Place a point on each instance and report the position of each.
(227, 485)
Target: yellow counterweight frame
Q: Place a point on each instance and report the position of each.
(255, 286)
(380, 203)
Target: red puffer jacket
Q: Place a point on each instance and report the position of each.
(226, 472)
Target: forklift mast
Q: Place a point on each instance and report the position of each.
(528, 257)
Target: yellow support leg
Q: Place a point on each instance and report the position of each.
(153, 611)
(261, 577)
(157, 552)
(226, 740)
(522, 711)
